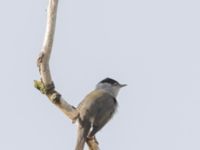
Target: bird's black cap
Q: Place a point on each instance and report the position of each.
(109, 80)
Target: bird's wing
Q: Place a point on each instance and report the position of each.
(104, 112)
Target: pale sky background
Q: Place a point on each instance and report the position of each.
(153, 46)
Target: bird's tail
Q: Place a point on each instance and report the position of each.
(82, 136)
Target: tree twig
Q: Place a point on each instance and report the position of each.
(46, 85)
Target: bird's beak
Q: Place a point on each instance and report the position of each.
(123, 85)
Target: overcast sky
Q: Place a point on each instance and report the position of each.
(153, 46)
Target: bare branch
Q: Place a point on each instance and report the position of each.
(46, 85)
(43, 63)
(48, 42)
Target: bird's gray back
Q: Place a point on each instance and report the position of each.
(97, 105)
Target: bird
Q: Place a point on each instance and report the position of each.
(96, 109)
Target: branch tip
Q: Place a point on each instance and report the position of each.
(40, 86)
(44, 89)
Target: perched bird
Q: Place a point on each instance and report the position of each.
(96, 109)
